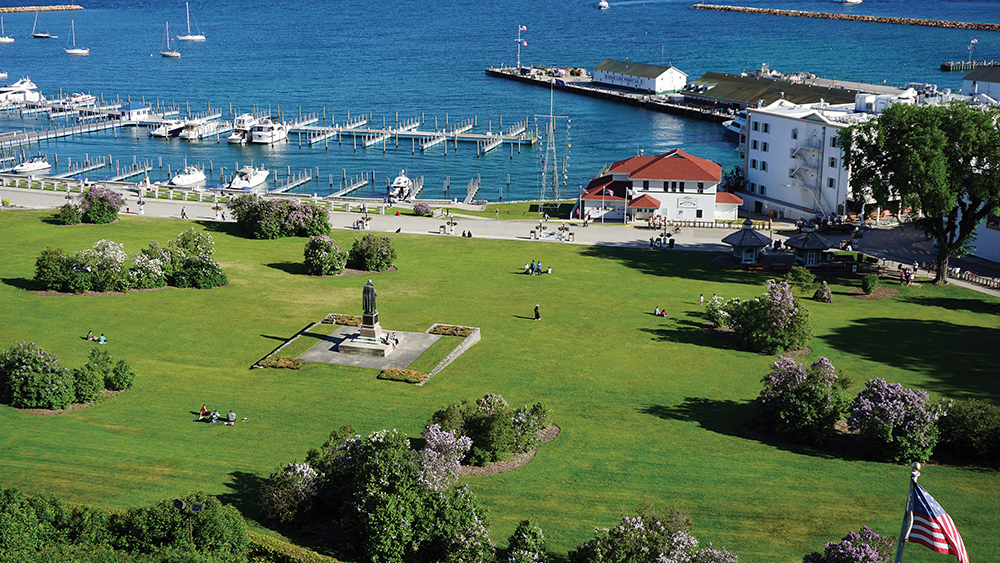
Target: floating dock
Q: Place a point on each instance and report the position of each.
(952, 66)
(850, 17)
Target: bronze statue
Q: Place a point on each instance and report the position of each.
(368, 295)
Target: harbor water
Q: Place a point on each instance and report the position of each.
(427, 59)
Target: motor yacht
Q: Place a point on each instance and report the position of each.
(248, 178)
(187, 177)
(241, 128)
(268, 131)
(33, 164)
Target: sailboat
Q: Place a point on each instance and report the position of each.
(39, 34)
(190, 37)
(4, 38)
(74, 50)
(172, 53)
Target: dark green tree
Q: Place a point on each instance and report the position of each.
(943, 160)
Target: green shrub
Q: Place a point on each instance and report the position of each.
(972, 431)
(495, 429)
(803, 404)
(526, 545)
(869, 282)
(69, 214)
(771, 323)
(52, 269)
(372, 253)
(120, 378)
(101, 205)
(31, 378)
(265, 549)
(323, 257)
(801, 278)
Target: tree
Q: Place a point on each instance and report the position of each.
(733, 181)
(944, 160)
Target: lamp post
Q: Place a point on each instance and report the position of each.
(196, 509)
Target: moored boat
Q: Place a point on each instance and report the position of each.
(168, 52)
(188, 177)
(603, 5)
(73, 49)
(168, 128)
(33, 164)
(268, 131)
(737, 124)
(401, 187)
(4, 38)
(241, 128)
(190, 36)
(248, 178)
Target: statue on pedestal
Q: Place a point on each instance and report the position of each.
(368, 295)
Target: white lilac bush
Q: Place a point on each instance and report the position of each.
(31, 378)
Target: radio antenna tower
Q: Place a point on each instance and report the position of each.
(549, 185)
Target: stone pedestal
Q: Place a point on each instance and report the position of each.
(368, 342)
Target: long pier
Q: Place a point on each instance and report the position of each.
(850, 17)
(60, 8)
(26, 138)
(409, 130)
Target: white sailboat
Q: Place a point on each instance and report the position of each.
(74, 50)
(40, 34)
(168, 52)
(4, 38)
(190, 36)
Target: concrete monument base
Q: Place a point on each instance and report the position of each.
(368, 342)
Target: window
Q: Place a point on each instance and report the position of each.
(701, 187)
(665, 185)
(753, 188)
(753, 144)
(756, 126)
(833, 162)
(763, 147)
(762, 188)
(767, 127)
(681, 187)
(645, 184)
(697, 213)
(795, 133)
(833, 142)
(763, 166)
(831, 182)
(753, 163)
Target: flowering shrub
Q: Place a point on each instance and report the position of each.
(191, 260)
(323, 257)
(104, 264)
(101, 205)
(441, 457)
(716, 311)
(773, 322)
(864, 547)
(649, 537)
(799, 403)
(526, 545)
(31, 378)
(270, 219)
(372, 253)
(146, 272)
(51, 269)
(897, 424)
(422, 209)
(289, 491)
(972, 431)
(496, 430)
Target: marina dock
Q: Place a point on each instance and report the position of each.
(952, 66)
(368, 137)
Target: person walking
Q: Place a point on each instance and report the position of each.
(538, 315)
(184, 214)
(701, 299)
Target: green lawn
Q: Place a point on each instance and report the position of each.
(650, 408)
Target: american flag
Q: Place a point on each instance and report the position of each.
(523, 28)
(525, 43)
(932, 527)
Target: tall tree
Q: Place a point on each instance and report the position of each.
(943, 160)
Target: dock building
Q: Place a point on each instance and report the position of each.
(675, 185)
(653, 79)
(983, 80)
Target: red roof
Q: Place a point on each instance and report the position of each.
(673, 165)
(645, 202)
(726, 197)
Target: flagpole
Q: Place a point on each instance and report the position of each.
(904, 530)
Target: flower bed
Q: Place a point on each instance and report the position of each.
(282, 362)
(450, 330)
(335, 319)
(404, 375)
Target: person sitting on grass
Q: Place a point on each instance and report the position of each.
(215, 417)
(90, 335)
(101, 339)
(231, 417)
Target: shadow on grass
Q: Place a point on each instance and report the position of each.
(676, 263)
(21, 283)
(293, 268)
(688, 331)
(223, 227)
(245, 494)
(280, 338)
(956, 304)
(959, 361)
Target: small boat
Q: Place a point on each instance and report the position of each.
(168, 52)
(737, 124)
(847, 1)
(401, 187)
(77, 100)
(190, 36)
(40, 34)
(248, 178)
(4, 38)
(187, 177)
(267, 131)
(74, 50)
(33, 164)
(3, 75)
(168, 128)
(241, 128)
(603, 5)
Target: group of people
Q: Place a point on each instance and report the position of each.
(533, 268)
(467, 234)
(100, 339)
(391, 338)
(213, 416)
(657, 312)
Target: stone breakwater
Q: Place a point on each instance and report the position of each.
(61, 8)
(850, 17)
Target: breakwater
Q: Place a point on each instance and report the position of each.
(60, 8)
(850, 17)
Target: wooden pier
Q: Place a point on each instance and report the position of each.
(21, 138)
(131, 172)
(472, 189)
(357, 183)
(87, 166)
(292, 183)
(952, 66)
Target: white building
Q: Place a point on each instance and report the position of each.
(134, 112)
(654, 79)
(988, 239)
(984, 80)
(676, 186)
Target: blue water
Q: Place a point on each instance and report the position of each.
(427, 58)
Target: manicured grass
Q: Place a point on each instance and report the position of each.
(650, 408)
(437, 352)
(522, 210)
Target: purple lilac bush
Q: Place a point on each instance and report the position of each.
(771, 323)
(422, 209)
(323, 257)
(897, 424)
(372, 253)
(864, 547)
(803, 404)
(101, 205)
(441, 457)
(290, 491)
(264, 218)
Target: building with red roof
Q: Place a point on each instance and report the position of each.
(675, 186)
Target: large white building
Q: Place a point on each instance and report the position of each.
(675, 186)
(983, 80)
(654, 79)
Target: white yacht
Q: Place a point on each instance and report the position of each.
(168, 52)
(248, 178)
(168, 128)
(241, 128)
(268, 131)
(33, 164)
(401, 187)
(187, 177)
(24, 90)
(737, 124)
(603, 5)
(40, 34)
(190, 36)
(77, 100)
(847, 1)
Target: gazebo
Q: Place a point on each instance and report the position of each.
(808, 247)
(747, 243)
